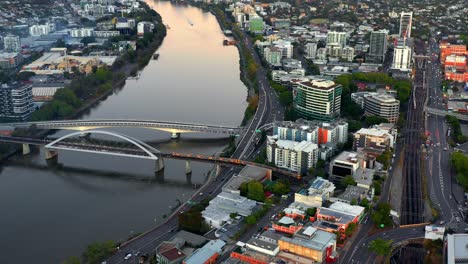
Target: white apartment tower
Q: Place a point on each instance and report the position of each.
(406, 19)
(334, 37)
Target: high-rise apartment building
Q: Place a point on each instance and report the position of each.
(12, 43)
(402, 58)
(16, 101)
(378, 46)
(382, 105)
(317, 99)
(406, 19)
(311, 50)
(292, 155)
(334, 37)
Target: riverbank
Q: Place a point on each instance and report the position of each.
(67, 104)
(247, 66)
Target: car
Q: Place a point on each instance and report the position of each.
(445, 149)
(450, 196)
(137, 253)
(458, 219)
(441, 222)
(200, 194)
(128, 256)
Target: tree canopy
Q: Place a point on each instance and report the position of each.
(460, 163)
(380, 246)
(381, 216)
(98, 251)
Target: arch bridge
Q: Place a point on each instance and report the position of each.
(137, 149)
(175, 128)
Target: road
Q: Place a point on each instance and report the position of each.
(444, 192)
(361, 253)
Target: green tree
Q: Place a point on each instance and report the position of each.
(311, 211)
(385, 158)
(350, 229)
(243, 188)
(98, 251)
(347, 180)
(255, 191)
(381, 216)
(380, 246)
(250, 220)
(460, 164)
(25, 75)
(280, 188)
(364, 203)
(375, 120)
(193, 221)
(72, 260)
(66, 95)
(233, 215)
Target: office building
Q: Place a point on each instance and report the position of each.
(315, 245)
(318, 192)
(144, 27)
(10, 60)
(12, 43)
(16, 101)
(334, 37)
(375, 138)
(347, 163)
(378, 46)
(402, 58)
(406, 19)
(219, 210)
(292, 155)
(256, 24)
(382, 105)
(317, 99)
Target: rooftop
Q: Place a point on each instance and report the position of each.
(319, 240)
(354, 210)
(457, 247)
(207, 251)
(347, 156)
(173, 254)
(320, 84)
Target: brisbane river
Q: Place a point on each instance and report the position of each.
(50, 213)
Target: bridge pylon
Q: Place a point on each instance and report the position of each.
(159, 166)
(26, 149)
(50, 154)
(188, 167)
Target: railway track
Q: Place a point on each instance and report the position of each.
(412, 211)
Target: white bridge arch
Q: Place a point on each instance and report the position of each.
(151, 152)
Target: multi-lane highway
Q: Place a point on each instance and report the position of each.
(446, 198)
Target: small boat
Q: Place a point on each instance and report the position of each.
(155, 56)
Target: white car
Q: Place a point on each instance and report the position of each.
(128, 256)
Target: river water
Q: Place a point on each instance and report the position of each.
(51, 212)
